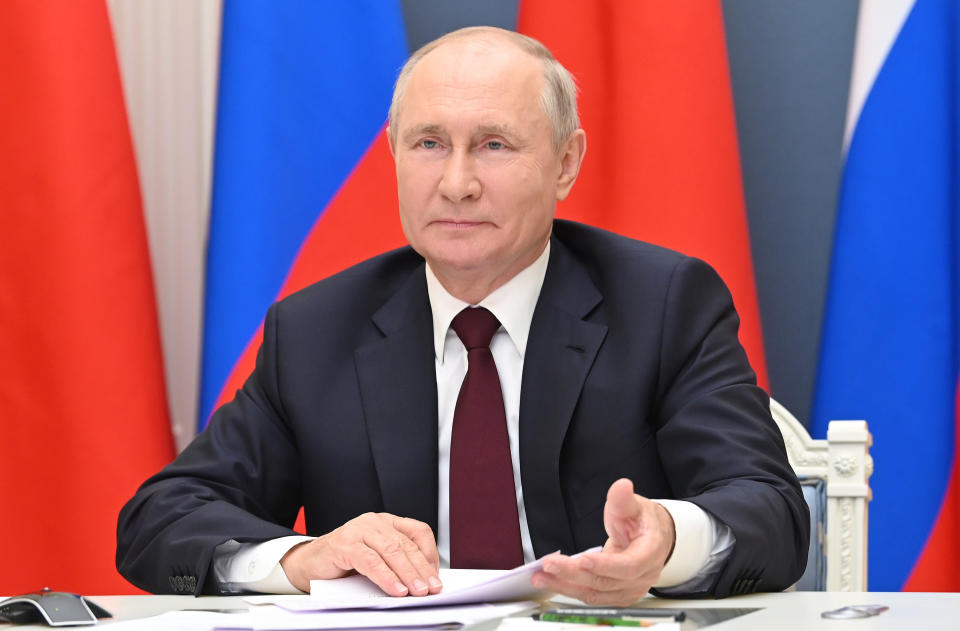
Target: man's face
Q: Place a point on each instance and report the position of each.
(478, 177)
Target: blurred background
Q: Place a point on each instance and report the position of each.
(170, 168)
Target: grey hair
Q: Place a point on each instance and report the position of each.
(558, 98)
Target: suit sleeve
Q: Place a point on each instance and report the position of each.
(236, 481)
(719, 445)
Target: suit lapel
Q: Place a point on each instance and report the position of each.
(398, 387)
(561, 349)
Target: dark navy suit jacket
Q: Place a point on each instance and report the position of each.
(632, 369)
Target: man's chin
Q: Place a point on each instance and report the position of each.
(458, 265)
(459, 260)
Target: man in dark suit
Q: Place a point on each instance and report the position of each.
(615, 364)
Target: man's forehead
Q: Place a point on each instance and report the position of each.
(515, 117)
(482, 58)
(475, 85)
(478, 44)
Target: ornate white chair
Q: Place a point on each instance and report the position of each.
(834, 474)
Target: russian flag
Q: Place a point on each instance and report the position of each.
(302, 172)
(891, 335)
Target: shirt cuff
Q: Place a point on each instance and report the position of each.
(695, 541)
(255, 567)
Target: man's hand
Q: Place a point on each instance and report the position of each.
(397, 553)
(641, 538)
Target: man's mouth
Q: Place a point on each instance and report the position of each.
(458, 224)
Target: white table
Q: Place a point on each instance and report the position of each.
(778, 612)
(801, 611)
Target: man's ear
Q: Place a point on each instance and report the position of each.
(390, 142)
(570, 160)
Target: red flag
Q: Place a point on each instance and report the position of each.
(662, 160)
(83, 413)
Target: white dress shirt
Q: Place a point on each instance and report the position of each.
(702, 542)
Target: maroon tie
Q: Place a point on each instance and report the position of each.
(484, 525)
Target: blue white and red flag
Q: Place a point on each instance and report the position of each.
(891, 337)
(301, 168)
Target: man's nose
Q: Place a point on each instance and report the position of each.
(459, 180)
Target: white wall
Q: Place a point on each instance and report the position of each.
(168, 52)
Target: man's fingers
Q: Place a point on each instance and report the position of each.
(579, 578)
(422, 536)
(639, 559)
(370, 563)
(403, 557)
(397, 554)
(630, 562)
(627, 595)
(573, 572)
(423, 553)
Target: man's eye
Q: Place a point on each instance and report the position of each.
(429, 144)
(496, 145)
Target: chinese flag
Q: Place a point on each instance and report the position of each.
(662, 162)
(83, 413)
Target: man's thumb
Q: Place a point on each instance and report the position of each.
(620, 512)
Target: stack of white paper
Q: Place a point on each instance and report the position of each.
(459, 587)
(355, 602)
(273, 618)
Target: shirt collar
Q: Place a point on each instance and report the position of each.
(512, 303)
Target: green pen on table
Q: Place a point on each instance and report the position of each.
(613, 617)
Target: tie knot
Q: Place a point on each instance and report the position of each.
(475, 327)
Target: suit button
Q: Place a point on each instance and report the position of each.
(180, 586)
(191, 583)
(173, 582)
